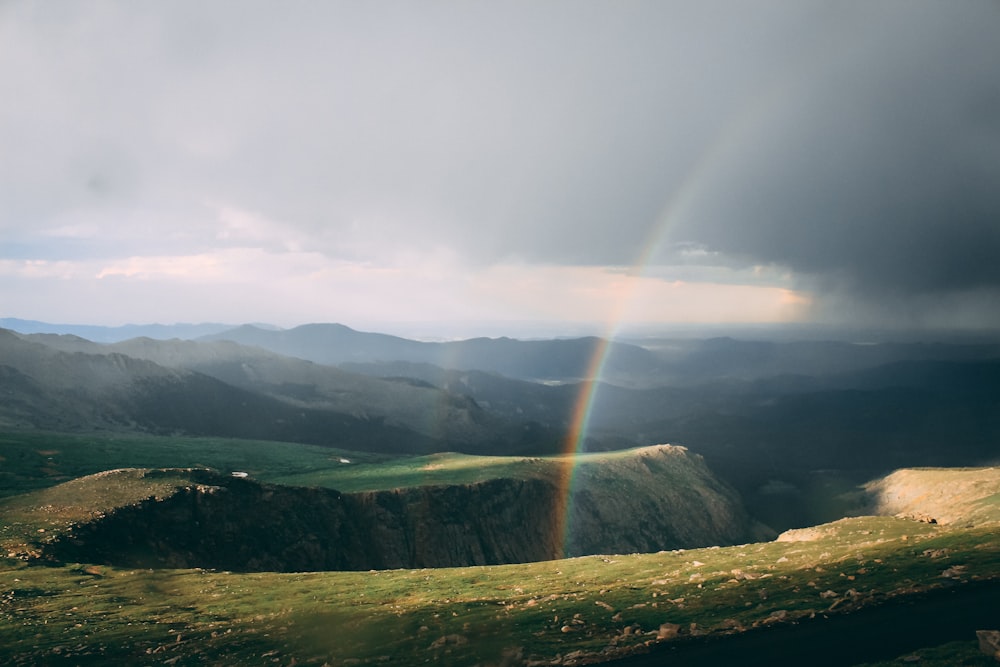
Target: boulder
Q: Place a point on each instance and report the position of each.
(668, 631)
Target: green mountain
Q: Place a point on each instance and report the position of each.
(451, 420)
(569, 359)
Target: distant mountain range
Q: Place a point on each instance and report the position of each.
(68, 383)
(653, 362)
(539, 360)
(780, 421)
(102, 334)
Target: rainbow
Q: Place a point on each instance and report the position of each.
(731, 139)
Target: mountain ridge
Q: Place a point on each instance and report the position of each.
(555, 359)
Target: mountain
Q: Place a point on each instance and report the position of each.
(451, 419)
(103, 334)
(698, 361)
(793, 445)
(538, 360)
(52, 389)
(188, 518)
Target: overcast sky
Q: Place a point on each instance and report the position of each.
(568, 163)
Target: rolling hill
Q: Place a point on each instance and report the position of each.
(450, 419)
(512, 512)
(104, 594)
(535, 360)
(780, 440)
(64, 382)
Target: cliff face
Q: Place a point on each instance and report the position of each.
(241, 525)
(655, 498)
(662, 498)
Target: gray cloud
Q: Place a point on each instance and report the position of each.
(876, 178)
(857, 146)
(550, 132)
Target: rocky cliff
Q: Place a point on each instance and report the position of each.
(660, 498)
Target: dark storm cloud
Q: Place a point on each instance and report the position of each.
(854, 146)
(875, 173)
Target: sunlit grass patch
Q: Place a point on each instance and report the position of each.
(35, 460)
(606, 605)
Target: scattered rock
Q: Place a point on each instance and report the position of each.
(732, 624)
(777, 616)
(668, 631)
(954, 572)
(574, 657)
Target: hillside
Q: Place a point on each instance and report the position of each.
(943, 495)
(70, 384)
(511, 511)
(873, 579)
(536, 360)
(794, 446)
(452, 420)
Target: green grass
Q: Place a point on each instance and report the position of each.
(35, 460)
(434, 469)
(452, 468)
(135, 616)
(80, 613)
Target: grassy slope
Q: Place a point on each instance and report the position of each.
(79, 613)
(543, 609)
(36, 460)
(948, 495)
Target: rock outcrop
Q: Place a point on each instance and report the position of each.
(650, 499)
(241, 525)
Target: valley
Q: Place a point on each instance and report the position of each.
(328, 496)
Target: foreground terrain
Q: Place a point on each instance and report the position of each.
(942, 553)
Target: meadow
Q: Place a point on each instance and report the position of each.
(574, 611)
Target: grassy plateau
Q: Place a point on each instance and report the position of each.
(583, 610)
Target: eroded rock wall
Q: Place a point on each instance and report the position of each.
(241, 525)
(652, 499)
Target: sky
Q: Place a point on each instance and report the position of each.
(504, 166)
